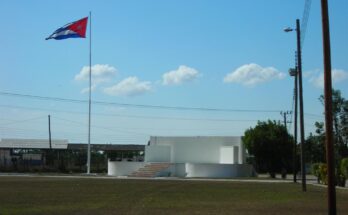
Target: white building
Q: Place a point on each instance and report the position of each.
(215, 157)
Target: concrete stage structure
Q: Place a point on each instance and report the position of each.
(212, 157)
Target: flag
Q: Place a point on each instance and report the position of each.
(75, 29)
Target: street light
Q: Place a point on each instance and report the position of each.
(299, 72)
(288, 29)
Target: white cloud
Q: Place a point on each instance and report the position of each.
(337, 75)
(253, 74)
(130, 86)
(310, 73)
(179, 76)
(100, 73)
(86, 90)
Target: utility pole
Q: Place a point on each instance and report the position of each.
(328, 109)
(294, 163)
(293, 72)
(299, 73)
(49, 131)
(284, 114)
(299, 67)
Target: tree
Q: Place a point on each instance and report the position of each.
(340, 123)
(314, 149)
(271, 145)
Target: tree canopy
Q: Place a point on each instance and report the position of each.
(340, 129)
(271, 145)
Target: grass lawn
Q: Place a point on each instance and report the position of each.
(42, 195)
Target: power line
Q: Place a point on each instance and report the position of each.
(304, 20)
(149, 128)
(102, 127)
(22, 129)
(133, 116)
(25, 120)
(142, 116)
(314, 115)
(134, 105)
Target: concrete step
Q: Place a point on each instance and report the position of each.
(149, 170)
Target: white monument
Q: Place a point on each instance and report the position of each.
(212, 157)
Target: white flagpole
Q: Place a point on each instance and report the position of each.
(90, 93)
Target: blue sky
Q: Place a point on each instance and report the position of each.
(198, 53)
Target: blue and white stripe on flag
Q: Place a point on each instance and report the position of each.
(75, 29)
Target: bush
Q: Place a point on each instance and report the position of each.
(344, 167)
(342, 172)
(315, 171)
(340, 180)
(323, 173)
(320, 171)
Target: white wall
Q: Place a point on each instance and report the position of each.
(189, 170)
(178, 170)
(219, 170)
(242, 154)
(119, 168)
(193, 149)
(226, 154)
(196, 152)
(158, 153)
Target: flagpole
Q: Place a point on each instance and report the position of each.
(90, 95)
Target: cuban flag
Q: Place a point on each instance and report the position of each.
(75, 29)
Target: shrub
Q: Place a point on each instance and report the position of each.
(323, 173)
(344, 167)
(342, 172)
(340, 180)
(320, 171)
(315, 171)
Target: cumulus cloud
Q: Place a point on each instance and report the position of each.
(179, 76)
(130, 86)
(310, 73)
(338, 75)
(86, 90)
(253, 74)
(100, 73)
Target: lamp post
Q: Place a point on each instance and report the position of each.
(299, 70)
(293, 72)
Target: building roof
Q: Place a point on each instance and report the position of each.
(33, 143)
(106, 147)
(63, 144)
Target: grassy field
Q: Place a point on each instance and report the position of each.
(42, 195)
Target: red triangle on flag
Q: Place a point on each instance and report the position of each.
(80, 27)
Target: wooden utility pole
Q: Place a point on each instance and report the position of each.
(328, 110)
(299, 68)
(294, 72)
(284, 114)
(299, 74)
(294, 163)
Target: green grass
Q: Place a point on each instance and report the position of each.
(41, 195)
